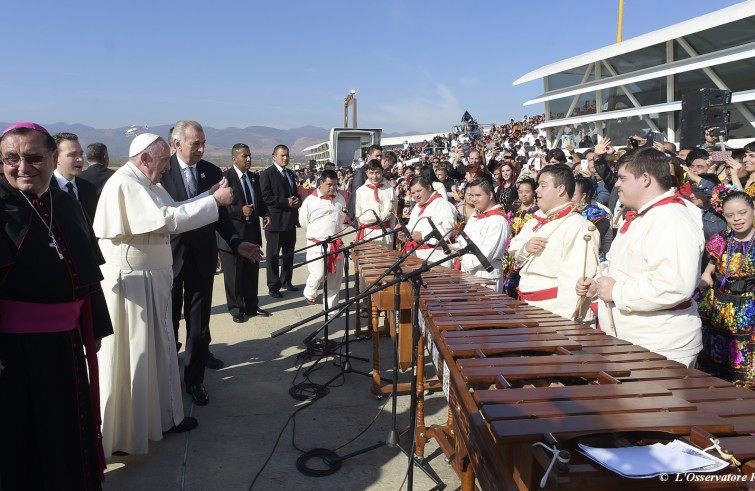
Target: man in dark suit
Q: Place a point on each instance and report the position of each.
(70, 164)
(279, 193)
(195, 254)
(241, 277)
(97, 172)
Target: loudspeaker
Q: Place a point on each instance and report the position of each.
(701, 109)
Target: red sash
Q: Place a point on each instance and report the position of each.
(332, 258)
(538, 295)
(361, 230)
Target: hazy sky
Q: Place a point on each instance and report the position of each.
(416, 64)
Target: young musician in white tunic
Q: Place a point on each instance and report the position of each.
(322, 215)
(551, 248)
(140, 387)
(430, 205)
(653, 266)
(379, 196)
(488, 229)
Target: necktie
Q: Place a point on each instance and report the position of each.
(288, 178)
(69, 187)
(247, 192)
(191, 181)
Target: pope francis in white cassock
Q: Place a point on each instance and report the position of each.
(140, 386)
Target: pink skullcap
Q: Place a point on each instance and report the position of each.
(25, 124)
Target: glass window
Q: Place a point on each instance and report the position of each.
(721, 37)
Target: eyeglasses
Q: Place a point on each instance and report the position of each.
(15, 160)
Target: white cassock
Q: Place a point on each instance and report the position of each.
(140, 386)
(322, 218)
(442, 214)
(383, 202)
(490, 233)
(656, 265)
(548, 279)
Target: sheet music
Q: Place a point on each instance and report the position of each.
(649, 461)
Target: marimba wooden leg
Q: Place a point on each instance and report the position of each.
(467, 478)
(420, 420)
(357, 305)
(376, 382)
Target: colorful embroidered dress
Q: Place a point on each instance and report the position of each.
(727, 310)
(510, 271)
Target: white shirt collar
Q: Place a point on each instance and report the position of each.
(62, 181)
(238, 172)
(280, 169)
(183, 164)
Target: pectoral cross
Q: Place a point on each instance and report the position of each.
(54, 243)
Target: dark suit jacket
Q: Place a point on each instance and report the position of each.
(97, 174)
(275, 193)
(87, 195)
(198, 248)
(248, 230)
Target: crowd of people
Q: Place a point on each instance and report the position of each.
(650, 243)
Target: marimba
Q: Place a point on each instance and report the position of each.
(370, 261)
(524, 385)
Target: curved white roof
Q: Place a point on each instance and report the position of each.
(701, 23)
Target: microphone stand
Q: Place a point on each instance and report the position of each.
(327, 349)
(415, 276)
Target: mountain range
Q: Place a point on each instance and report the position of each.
(261, 139)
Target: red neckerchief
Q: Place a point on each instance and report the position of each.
(490, 213)
(375, 190)
(553, 216)
(329, 198)
(422, 207)
(631, 215)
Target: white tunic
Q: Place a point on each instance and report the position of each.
(322, 218)
(140, 386)
(490, 234)
(560, 264)
(656, 265)
(442, 214)
(365, 200)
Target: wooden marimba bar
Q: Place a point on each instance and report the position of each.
(370, 261)
(516, 376)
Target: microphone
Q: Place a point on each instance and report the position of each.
(472, 247)
(379, 222)
(402, 227)
(436, 233)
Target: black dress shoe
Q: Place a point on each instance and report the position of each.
(291, 288)
(214, 363)
(187, 424)
(199, 395)
(259, 312)
(276, 294)
(238, 318)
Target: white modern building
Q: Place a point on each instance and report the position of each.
(637, 85)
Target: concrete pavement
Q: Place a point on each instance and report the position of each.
(250, 405)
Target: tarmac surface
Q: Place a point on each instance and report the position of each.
(249, 430)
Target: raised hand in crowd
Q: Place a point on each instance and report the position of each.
(603, 147)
